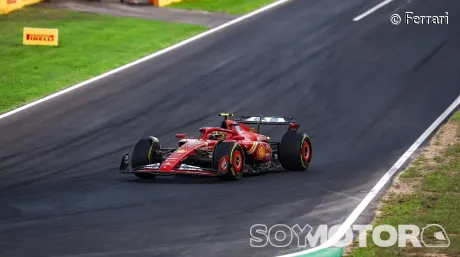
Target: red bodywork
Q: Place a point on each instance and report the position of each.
(255, 146)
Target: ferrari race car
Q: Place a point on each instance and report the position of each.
(226, 152)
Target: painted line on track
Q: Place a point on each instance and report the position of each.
(373, 9)
(376, 189)
(148, 57)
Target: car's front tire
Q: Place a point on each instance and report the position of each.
(146, 151)
(228, 158)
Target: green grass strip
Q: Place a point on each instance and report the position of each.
(233, 7)
(428, 193)
(89, 44)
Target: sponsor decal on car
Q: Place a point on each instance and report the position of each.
(266, 119)
(190, 167)
(153, 166)
(261, 152)
(196, 143)
(262, 138)
(223, 164)
(253, 119)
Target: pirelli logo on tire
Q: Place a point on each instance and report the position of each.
(40, 36)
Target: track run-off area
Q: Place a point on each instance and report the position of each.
(362, 88)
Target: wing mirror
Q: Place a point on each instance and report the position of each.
(180, 136)
(238, 138)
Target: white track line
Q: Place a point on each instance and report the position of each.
(375, 190)
(373, 9)
(151, 56)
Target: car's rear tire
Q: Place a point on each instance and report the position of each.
(228, 158)
(146, 151)
(295, 151)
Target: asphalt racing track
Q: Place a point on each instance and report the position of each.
(364, 91)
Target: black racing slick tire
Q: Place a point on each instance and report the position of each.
(146, 151)
(295, 151)
(229, 160)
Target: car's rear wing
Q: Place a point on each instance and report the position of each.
(265, 120)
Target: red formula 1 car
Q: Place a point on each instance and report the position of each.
(226, 152)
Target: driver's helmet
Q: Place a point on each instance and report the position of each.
(217, 135)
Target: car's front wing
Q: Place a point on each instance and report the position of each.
(155, 168)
